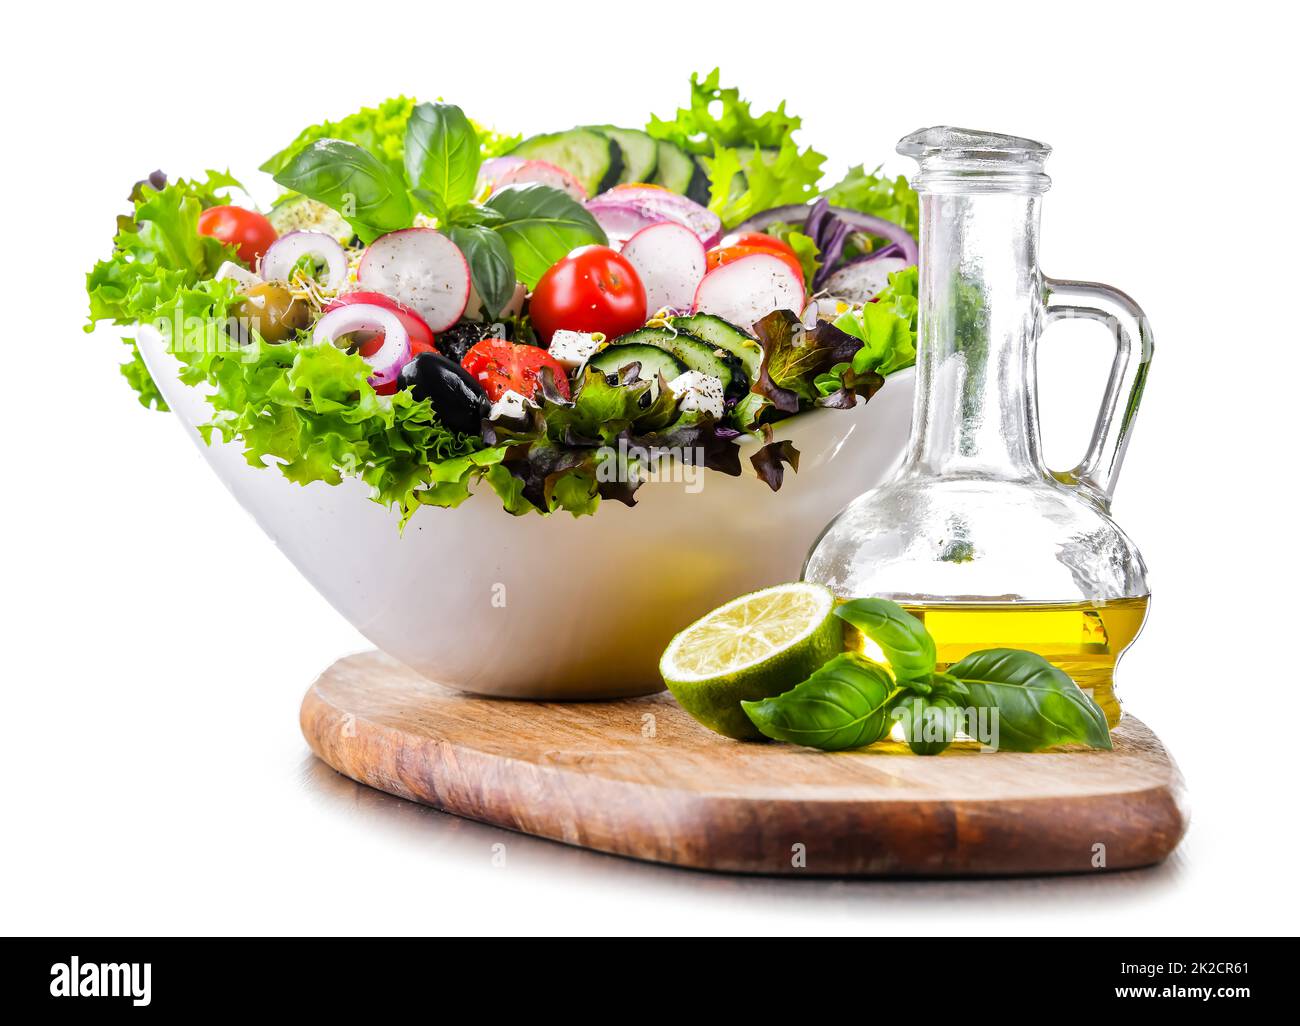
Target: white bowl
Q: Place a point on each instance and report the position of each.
(556, 607)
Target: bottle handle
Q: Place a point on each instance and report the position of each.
(1096, 473)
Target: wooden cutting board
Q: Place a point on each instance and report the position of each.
(638, 777)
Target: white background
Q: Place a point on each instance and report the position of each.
(156, 646)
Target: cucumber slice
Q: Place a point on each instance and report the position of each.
(681, 173)
(724, 335)
(675, 167)
(699, 189)
(594, 159)
(694, 352)
(640, 154)
(295, 213)
(653, 360)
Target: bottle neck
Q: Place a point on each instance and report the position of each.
(980, 311)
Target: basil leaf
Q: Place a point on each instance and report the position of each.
(935, 684)
(541, 225)
(441, 152)
(428, 203)
(491, 267)
(471, 214)
(947, 684)
(371, 198)
(843, 705)
(1037, 705)
(930, 723)
(901, 636)
(919, 685)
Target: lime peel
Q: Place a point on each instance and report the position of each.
(756, 646)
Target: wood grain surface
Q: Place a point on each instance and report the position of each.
(638, 777)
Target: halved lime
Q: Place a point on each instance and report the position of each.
(756, 646)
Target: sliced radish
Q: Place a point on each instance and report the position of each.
(654, 204)
(279, 261)
(670, 259)
(860, 280)
(501, 175)
(748, 289)
(420, 268)
(390, 358)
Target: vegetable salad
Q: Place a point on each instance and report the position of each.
(434, 307)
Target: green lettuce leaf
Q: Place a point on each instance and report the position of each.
(309, 409)
(569, 456)
(157, 252)
(793, 357)
(872, 193)
(838, 362)
(492, 143)
(742, 184)
(138, 377)
(886, 328)
(157, 249)
(751, 159)
(602, 411)
(574, 492)
(380, 130)
(510, 489)
(718, 115)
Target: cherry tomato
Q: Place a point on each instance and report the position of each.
(247, 230)
(421, 337)
(591, 289)
(501, 367)
(726, 254)
(761, 239)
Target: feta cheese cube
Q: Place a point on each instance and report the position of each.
(512, 405)
(245, 279)
(696, 390)
(571, 349)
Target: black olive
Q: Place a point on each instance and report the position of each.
(457, 340)
(457, 399)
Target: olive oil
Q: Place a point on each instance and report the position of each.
(1083, 640)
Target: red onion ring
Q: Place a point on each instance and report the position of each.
(651, 205)
(892, 250)
(797, 213)
(389, 359)
(620, 222)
